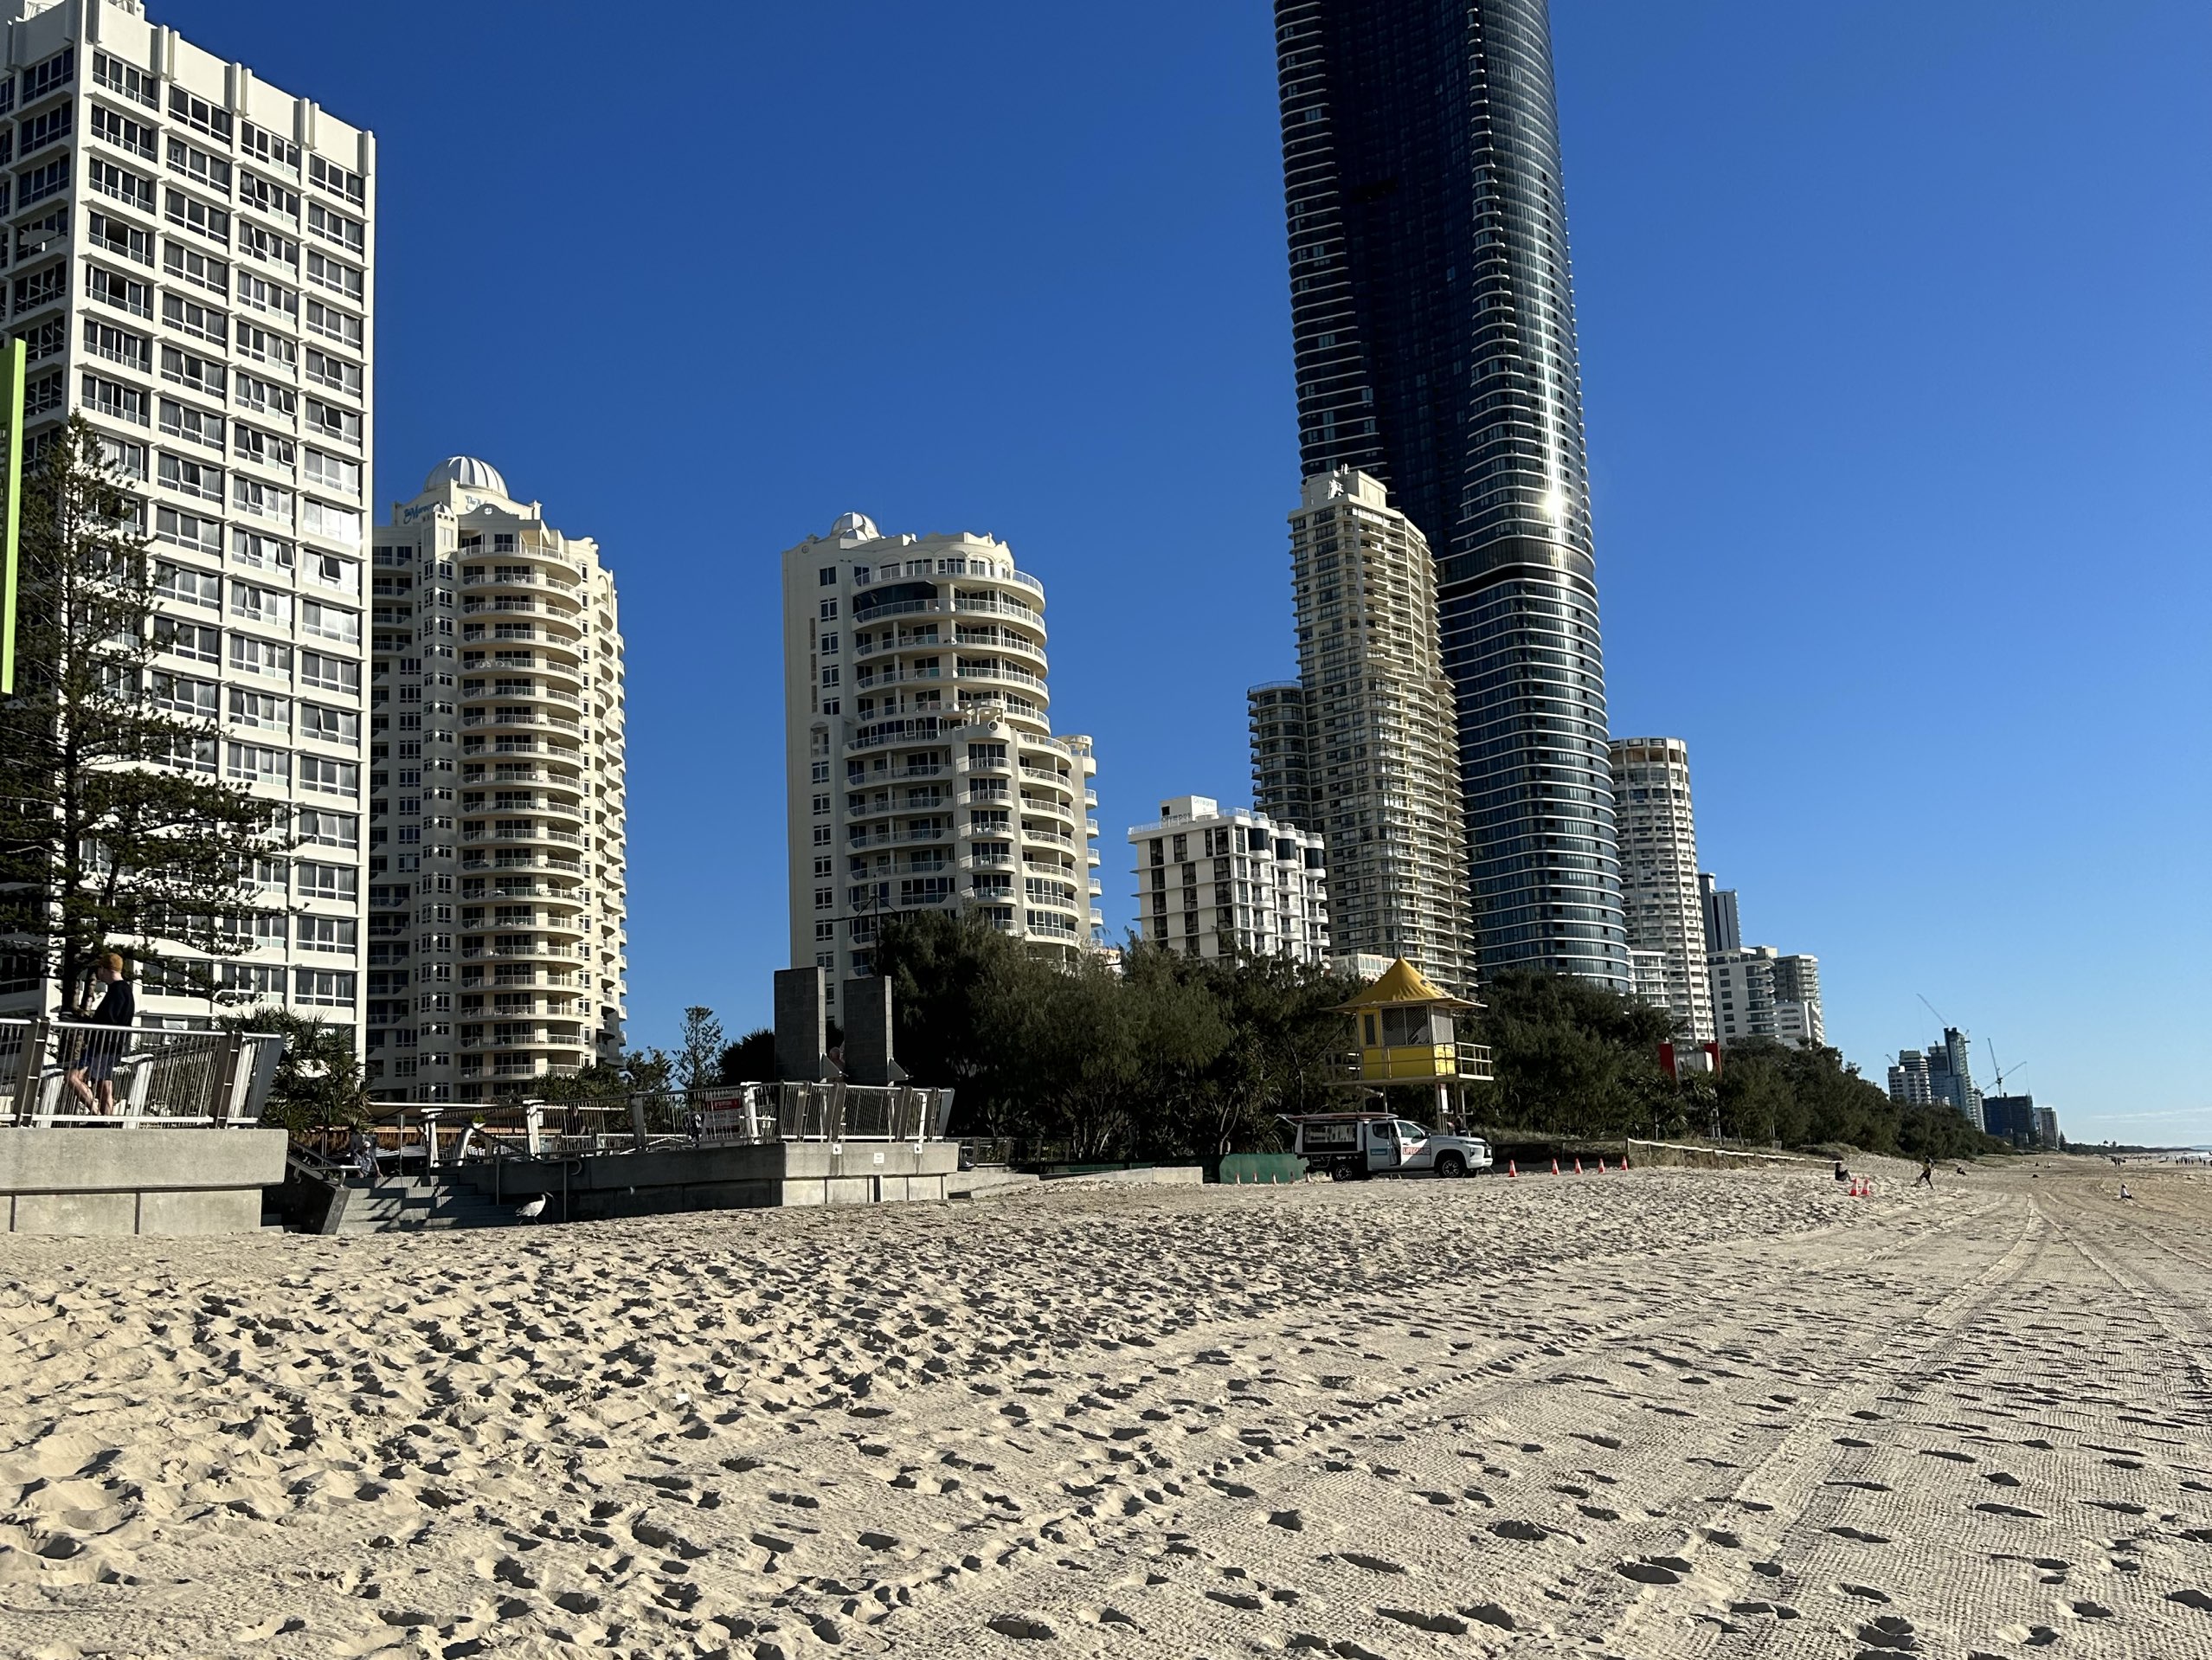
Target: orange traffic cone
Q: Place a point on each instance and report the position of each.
(1578, 1167)
(1601, 1164)
(1623, 1160)
(1870, 1191)
(1555, 1167)
(1510, 1169)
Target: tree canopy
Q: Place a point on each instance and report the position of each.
(1172, 1056)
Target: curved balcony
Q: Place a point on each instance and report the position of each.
(492, 835)
(997, 637)
(875, 613)
(994, 673)
(980, 608)
(1032, 808)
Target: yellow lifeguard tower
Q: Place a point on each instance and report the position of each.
(1407, 1036)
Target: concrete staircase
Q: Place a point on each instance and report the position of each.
(411, 1205)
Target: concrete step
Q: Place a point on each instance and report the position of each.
(390, 1205)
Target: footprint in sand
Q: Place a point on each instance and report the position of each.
(1441, 1624)
(1654, 1570)
(1890, 1633)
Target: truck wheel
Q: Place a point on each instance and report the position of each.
(1451, 1164)
(1339, 1172)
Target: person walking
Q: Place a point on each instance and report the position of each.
(1927, 1176)
(103, 1048)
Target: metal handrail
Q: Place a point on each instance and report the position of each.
(157, 1077)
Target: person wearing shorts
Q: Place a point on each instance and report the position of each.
(93, 1076)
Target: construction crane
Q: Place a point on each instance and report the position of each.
(2018, 1067)
(1933, 1010)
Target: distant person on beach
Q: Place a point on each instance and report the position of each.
(2123, 1192)
(1927, 1176)
(103, 1049)
(1841, 1174)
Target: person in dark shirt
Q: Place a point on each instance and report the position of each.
(103, 1049)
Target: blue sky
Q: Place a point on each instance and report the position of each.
(1895, 332)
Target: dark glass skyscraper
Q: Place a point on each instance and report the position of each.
(1434, 321)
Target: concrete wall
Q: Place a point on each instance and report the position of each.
(138, 1180)
(675, 1179)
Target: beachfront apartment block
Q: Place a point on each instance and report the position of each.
(1798, 1021)
(497, 955)
(1374, 710)
(1743, 993)
(1759, 993)
(1756, 991)
(189, 259)
(1212, 883)
(1660, 894)
(922, 772)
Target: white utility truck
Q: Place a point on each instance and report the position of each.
(1354, 1146)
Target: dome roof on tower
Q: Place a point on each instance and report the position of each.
(468, 472)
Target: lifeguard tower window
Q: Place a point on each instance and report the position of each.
(1405, 1026)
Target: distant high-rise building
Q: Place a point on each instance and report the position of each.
(1433, 320)
(1378, 717)
(2046, 1126)
(2010, 1117)
(496, 950)
(193, 254)
(1659, 874)
(1950, 1075)
(1211, 883)
(1797, 1019)
(1758, 993)
(1909, 1084)
(1743, 993)
(921, 767)
(1724, 928)
(1282, 788)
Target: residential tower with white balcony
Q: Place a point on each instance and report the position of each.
(498, 840)
(1211, 884)
(189, 257)
(1660, 895)
(920, 766)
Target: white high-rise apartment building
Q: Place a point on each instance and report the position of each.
(1797, 1019)
(1210, 883)
(1758, 993)
(190, 260)
(1382, 746)
(1659, 877)
(920, 766)
(1743, 993)
(497, 864)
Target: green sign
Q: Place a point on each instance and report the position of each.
(11, 518)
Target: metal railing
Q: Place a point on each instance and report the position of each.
(436, 1135)
(154, 1077)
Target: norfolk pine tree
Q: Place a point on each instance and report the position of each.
(112, 835)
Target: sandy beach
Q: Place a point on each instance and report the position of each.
(1660, 1415)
